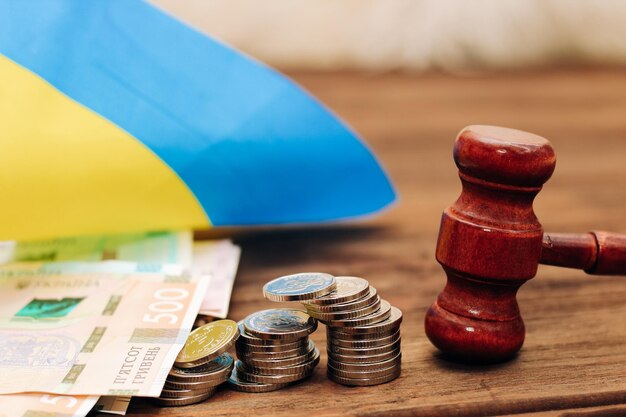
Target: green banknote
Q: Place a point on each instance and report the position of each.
(158, 247)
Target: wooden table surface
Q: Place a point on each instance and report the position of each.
(574, 360)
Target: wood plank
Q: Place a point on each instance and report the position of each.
(574, 356)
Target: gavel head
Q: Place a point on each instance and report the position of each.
(489, 243)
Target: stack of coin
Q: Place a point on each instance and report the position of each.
(274, 350)
(202, 364)
(363, 333)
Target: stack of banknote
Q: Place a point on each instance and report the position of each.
(90, 322)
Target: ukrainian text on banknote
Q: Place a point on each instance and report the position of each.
(92, 333)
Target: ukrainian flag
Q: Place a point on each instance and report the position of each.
(115, 117)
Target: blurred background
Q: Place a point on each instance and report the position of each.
(414, 35)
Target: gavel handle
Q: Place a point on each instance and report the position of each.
(597, 253)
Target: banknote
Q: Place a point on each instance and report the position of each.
(158, 247)
(44, 405)
(219, 260)
(64, 331)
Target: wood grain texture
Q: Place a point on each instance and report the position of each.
(574, 356)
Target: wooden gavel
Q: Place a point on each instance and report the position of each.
(490, 243)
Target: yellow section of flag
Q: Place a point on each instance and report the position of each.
(65, 170)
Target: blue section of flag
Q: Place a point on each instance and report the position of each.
(252, 146)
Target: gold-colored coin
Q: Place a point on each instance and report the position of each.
(286, 324)
(178, 402)
(345, 315)
(238, 384)
(364, 352)
(218, 369)
(378, 373)
(299, 287)
(382, 314)
(364, 301)
(366, 367)
(365, 341)
(364, 359)
(206, 343)
(366, 381)
(348, 289)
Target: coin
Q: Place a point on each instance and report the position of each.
(369, 340)
(279, 357)
(338, 333)
(280, 323)
(364, 359)
(178, 393)
(206, 343)
(247, 348)
(368, 351)
(364, 301)
(272, 379)
(391, 324)
(217, 369)
(298, 369)
(246, 355)
(291, 363)
(250, 340)
(178, 402)
(238, 384)
(361, 374)
(194, 386)
(382, 314)
(366, 367)
(349, 314)
(299, 287)
(348, 289)
(365, 381)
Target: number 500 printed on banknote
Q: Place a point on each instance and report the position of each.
(92, 333)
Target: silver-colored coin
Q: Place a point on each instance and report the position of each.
(298, 344)
(285, 354)
(366, 300)
(366, 367)
(348, 289)
(345, 315)
(238, 384)
(363, 352)
(364, 359)
(303, 367)
(280, 323)
(271, 379)
(338, 334)
(179, 393)
(251, 340)
(178, 402)
(299, 287)
(272, 361)
(366, 381)
(370, 340)
(382, 314)
(390, 324)
(194, 386)
(377, 373)
(217, 369)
